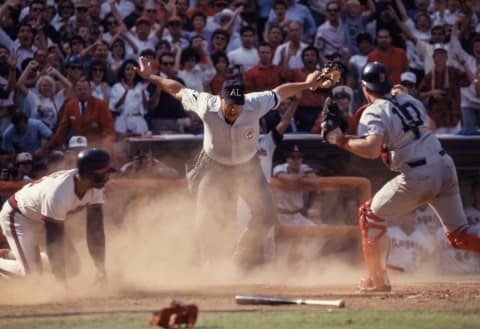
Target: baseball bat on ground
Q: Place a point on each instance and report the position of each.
(267, 300)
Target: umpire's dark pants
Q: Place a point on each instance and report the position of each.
(218, 191)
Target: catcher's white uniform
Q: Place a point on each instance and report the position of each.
(21, 218)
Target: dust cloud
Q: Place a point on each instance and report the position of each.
(151, 247)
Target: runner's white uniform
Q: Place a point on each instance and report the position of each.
(52, 196)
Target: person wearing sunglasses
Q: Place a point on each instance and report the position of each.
(165, 109)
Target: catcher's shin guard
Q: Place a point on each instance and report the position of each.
(461, 239)
(373, 229)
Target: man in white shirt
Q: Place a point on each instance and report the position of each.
(246, 55)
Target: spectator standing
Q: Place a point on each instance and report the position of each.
(264, 75)
(440, 88)
(293, 47)
(470, 95)
(23, 44)
(246, 56)
(330, 36)
(274, 36)
(219, 41)
(129, 101)
(355, 65)
(223, 72)
(299, 13)
(385, 13)
(195, 75)
(395, 59)
(45, 101)
(355, 21)
(165, 110)
(88, 116)
(124, 8)
(310, 103)
(98, 80)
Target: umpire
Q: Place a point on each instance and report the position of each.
(228, 165)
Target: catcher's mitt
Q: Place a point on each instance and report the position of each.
(332, 118)
(177, 315)
(330, 75)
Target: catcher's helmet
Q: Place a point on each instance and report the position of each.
(93, 162)
(375, 77)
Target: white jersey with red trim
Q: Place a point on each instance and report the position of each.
(456, 260)
(427, 219)
(54, 196)
(407, 251)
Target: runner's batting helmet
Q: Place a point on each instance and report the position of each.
(94, 162)
(375, 78)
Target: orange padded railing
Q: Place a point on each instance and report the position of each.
(362, 185)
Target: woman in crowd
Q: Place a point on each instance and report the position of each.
(45, 101)
(98, 80)
(129, 100)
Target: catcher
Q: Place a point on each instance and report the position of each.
(395, 128)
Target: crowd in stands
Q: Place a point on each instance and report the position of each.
(67, 66)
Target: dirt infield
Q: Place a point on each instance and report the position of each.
(149, 262)
(452, 293)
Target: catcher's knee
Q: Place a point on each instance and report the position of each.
(461, 239)
(372, 226)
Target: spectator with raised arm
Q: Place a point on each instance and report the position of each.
(440, 88)
(291, 48)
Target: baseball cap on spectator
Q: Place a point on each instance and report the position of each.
(340, 92)
(24, 157)
(77, 142)
(408, 77)
(294, 151)
(233, 92)
(143, 19)
(439, 47)
(81, 4)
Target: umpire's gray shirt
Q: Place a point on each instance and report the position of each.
(230, 144)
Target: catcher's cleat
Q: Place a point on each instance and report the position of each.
(367, 285)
